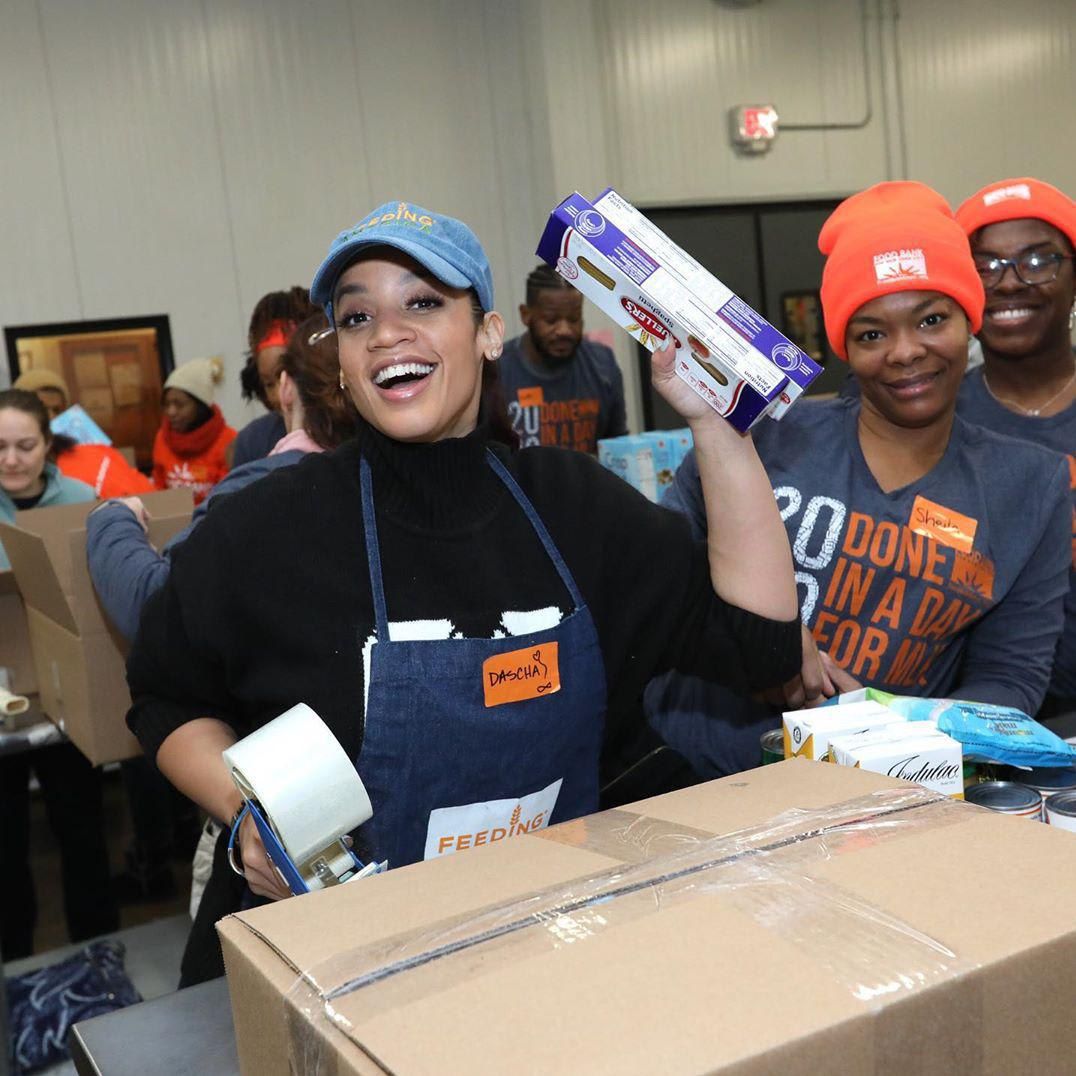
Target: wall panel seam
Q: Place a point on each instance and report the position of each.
(61, 160)
(218, 137)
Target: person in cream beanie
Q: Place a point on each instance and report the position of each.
(190, 450)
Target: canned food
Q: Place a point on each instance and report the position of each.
(773, 746)
(1008, 797)
(1060, 810)
(1046, 781)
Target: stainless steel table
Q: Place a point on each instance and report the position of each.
(189, 1031)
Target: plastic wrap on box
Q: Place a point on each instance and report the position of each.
(771, 873)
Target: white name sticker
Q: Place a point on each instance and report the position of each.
(454, 829)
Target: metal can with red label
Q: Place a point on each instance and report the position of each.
(1060, 810)
(1008, 797)
(1045, 781)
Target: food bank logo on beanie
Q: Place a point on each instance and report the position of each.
(894, 265)
(1002, 194)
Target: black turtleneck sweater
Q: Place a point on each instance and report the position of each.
(268, 603)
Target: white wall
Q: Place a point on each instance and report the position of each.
(185, 156)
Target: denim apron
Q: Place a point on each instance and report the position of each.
(444, 770)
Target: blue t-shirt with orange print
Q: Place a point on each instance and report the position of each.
(1057, 432)
(951, 586)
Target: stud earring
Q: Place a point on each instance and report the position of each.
(343, 387)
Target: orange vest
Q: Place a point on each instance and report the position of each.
(102, 467)
(199, 473)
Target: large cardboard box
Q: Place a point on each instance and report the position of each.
(845, 923)
(15, 653)
(78, 657)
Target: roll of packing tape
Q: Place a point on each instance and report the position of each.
(12, 705)
(307, 786)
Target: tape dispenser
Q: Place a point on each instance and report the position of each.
(304, 796)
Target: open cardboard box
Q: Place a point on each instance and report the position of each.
(78, 657)
(15, 653)
(850, 923)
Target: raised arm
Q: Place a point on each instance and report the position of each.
(750, 559)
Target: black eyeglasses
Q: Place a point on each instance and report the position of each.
(1031, 269)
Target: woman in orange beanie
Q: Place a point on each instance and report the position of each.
(190, 450)
(1023, 239)
(924, 566)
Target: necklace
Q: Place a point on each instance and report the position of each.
(1033, 412)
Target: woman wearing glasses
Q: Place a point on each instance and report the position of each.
(1023, 237)
(932, 555)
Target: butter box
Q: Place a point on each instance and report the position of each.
(808, 732)
(910, 752)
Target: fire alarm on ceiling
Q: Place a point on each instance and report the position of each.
(754, 127)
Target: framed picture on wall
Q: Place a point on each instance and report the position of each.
(113, 368)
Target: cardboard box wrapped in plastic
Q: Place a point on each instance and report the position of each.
(801, 918)
(78, 657)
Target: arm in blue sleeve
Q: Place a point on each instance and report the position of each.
(1010, 651)
(124, 567)
(684, 495)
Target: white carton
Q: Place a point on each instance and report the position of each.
(808, 732)
(909, 752)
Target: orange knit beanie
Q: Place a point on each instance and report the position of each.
(1014, 199)
(894, 237)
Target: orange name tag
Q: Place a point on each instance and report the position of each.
(533, 397)
(943, 525)
(522, 674)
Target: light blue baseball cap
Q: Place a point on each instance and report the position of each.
(443, 245)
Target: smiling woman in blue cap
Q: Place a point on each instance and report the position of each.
(408, 585)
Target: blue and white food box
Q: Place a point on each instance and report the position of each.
(730, 355)
(632, 458)
(661, 446)
(77, 424)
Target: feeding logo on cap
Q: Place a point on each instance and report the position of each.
(906, 264)
(403, 214)
(1017, 190)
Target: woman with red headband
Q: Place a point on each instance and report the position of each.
(924, 566)
(271, 325)
(1023, 238)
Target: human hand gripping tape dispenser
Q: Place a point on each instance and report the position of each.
(305, 796)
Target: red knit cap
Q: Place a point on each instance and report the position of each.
(889, 238)
(1015, 199)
